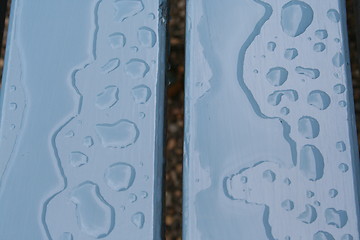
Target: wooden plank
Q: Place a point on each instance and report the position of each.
(270, 145)
(82, 120)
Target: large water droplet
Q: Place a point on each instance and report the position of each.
(141, 94)
(146, 37)
(319, 47)
(127, 8)
(323, 236)
(309, 215)
(338, 60)
(117, 40)
(309, 72)
(277, 76)
(108, 98)
(111, 65)
(319, 99)
(308, 127)
(95, 216)
(296, 17)
(120, 176)
(77, 159)
(138, 219)
(311, 162)
(269, 176)
(336, 218)
(288, 205)
(118, 135)
(66, 236)
(137, 68)
(321, 34)
(339, 88)
(276, 97)
(333, 15)
(291, 53)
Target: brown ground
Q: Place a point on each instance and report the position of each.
(175, 109)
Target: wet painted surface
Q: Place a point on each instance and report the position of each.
(82, 120)
(270, 149)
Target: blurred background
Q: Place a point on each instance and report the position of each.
(175, 104)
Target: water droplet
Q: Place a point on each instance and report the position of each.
(288, 205)
(132, 197)
(338, 60)
(137, 68)
(151, 16)
(319, 47)
(308, 127)
(342, 104)
(309, 72)
(146, 178)
(333, 193)
(108, 98)
(66, 236)
(319, 99)
(296, 17)
(287, 181)
(276, 97)
(340, 146)
(138, 219)
(77, 159)
(142, 115)
(291, 53)
(120, 176)
(256, 71)
(343, 167)
(284, 111)
(310, 194)
(337, 40)
(111, 65)
(269, 175)
(287, 238)
(141, 94)
(70, 134)
(118, 135)
(347, 237)
(12, 127)
(311, 162)
(88, 141)
(323, 236)
(317, 203)
(277, 76)
(127, 8)
(146, 37)
(122, 208)
(244, 179)
(95, 216)
(135, 49)
(339, 88)
(144, 194)
(12, 88)
(271, 46)
(336, 218)
(333, 15)
(309, 215)
(117, 40)
(321, 34)
(12, 106)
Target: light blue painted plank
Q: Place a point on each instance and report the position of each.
(82, 120)
(270, 146)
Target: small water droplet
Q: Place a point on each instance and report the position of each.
(271, 46)
(146, 178)
(12, 106)
(78, 159)
(151, 16)
(66, 236)
(122, 208)
(108, 98)
(340, 146)
(146, 37)
(287, 181)
(269, 175)
(317, 203)
(144, 194)
(311, 162)
(141, 94)
(343, 167)
(70, 134)
(288, 205)
(310, 194)
(118, 135)
(12, 88)
(296, 17)
(142, 115)
(126, 9)
(321, 235)
(111, 65)
(256, 71)
(276, 97)
(309, 215)
(319, 99)
(347, 237)
(319, 47)
(333, 193)
(338, 60)
(336, 218)
(244, 179)
(138, 219)
(132, 197)
(342, 104)
(117, 40)
(12, 126)
(339, 88)
(308, 127)
(277, 76)
(137, 68)
(333, 15)
(337, 40)
(120, 176)
(134, 49)
(88, 141)
(309, 72)
(284, 111)
(291, 53)
(321, 34)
